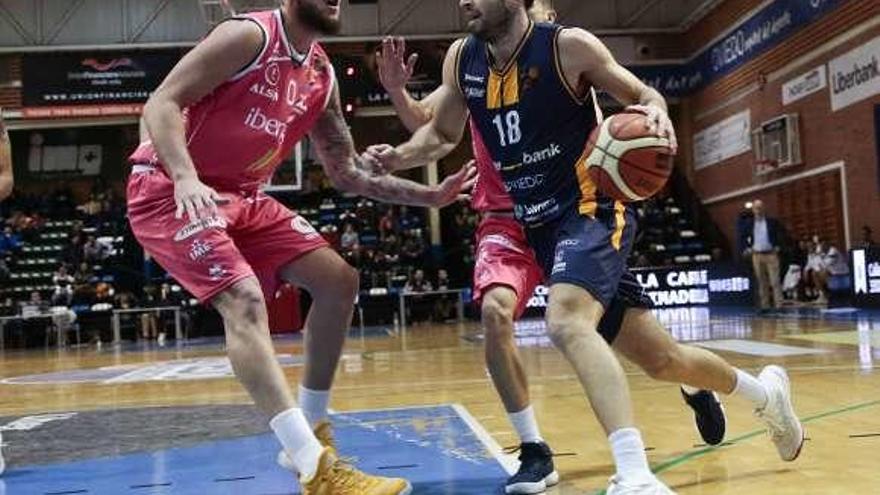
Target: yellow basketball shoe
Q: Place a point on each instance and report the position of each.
(335, 477)
(324, 433)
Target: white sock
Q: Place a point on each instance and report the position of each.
(314, 404)
(629, 454)
(295, 435)
(751, 388)
(526, 425)
(689, 390)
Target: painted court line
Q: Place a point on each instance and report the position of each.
(684, 458)
(507, 462)
(755, 348)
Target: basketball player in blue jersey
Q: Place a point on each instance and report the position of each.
(528, 88)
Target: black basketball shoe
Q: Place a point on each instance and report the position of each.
(536, 472)
(709, 415)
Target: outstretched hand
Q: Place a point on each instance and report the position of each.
(458, 186)
(394, 69)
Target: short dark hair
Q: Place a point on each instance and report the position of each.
(529, 4)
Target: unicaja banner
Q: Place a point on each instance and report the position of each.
(111, 79)
(856, 75)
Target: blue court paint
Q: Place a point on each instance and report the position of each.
(433, 447)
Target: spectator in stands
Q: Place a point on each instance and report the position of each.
(149, 320)
(442, 280)
(10, 241)
(4, 270)
(387, 224)
(73, 252)
(92, 207)
(63, 287)
(94, 251)
(350, 241)
(761, 238)
(84, 274)
(867, 238)
(418, 283)
(413, 249)
(823, 264)
(35, 304)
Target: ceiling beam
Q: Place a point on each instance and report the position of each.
(698, 13)
(638, 14)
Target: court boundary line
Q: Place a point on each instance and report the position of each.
(507, 462)
(688, 456)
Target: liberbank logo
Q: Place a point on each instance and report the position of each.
(855, 76)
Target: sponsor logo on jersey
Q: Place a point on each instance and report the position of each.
(199, 249)
(217, 272)
(301, 225)
(524, 183)
(273, 74)
(258, 121)
(265, 91)
(501, 240)
(297, 99)
(474, 79)
(474, 93)
(535, 212)
(543, 155)
(194, 228)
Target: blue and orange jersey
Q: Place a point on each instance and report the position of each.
(534, 124)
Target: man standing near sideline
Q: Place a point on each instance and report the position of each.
(761, 239)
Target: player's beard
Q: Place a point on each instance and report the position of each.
(310, 15)
(494, 24)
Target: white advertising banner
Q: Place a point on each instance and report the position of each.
(855, 76)
(726, 139)
(804, 85)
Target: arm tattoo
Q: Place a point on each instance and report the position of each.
(347, 171)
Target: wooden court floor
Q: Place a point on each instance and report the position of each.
(833, 364)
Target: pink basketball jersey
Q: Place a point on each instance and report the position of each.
(489, 193)
(246, 127)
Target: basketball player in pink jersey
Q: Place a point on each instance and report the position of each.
(506, 275)
(219, 125)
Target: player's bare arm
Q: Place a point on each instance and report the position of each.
(6, 180)
(441, 134)
(226, 50)
(352, 173)
(586, 60)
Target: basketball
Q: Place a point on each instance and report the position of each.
(625, 161)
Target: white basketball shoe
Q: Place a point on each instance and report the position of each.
(650, 486)
(784, 427)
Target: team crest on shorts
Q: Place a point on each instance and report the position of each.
(194, 228)
(301, 225)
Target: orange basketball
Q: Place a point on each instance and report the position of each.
(625, 161)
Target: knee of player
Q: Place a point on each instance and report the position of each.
(663, 364)
(248, 307)
(346, 284)
(497, 315)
